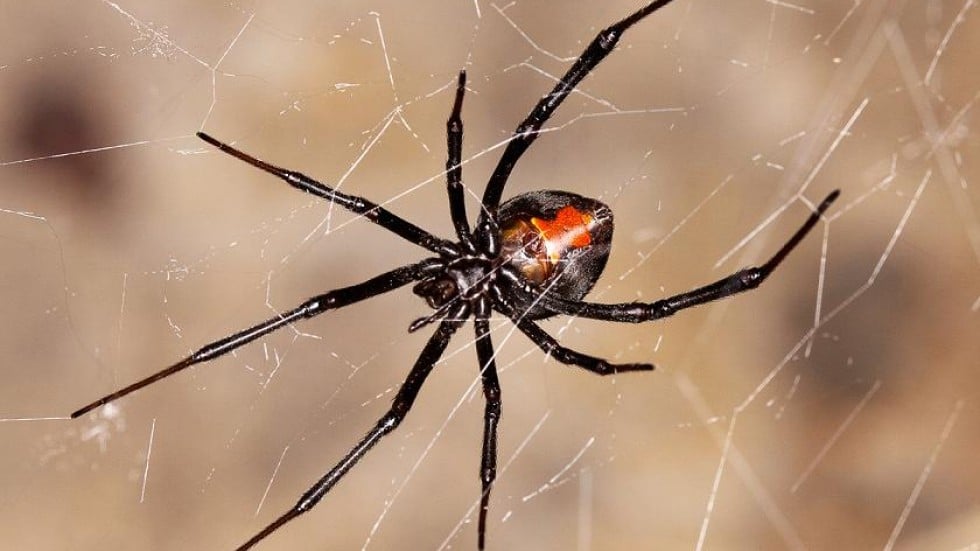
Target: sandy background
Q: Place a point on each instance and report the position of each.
(127, 243)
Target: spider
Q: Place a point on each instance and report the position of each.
(533, 257)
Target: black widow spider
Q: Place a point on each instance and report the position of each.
(532, 257)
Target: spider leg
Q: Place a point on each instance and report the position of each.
(527, 131)
(491, 415)
(315, 306)
(740, 281)
(400, 407)
(358, 205)
(567, 356)
(454, 169)
(436, 315)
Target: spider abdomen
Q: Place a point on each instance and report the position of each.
(556, 240)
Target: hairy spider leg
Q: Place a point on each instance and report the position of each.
(527, 131)
(550, 346)
(637, 312)
(492, 412)
(358, 205)
(400, 407)
(454, 168)
(315, 306)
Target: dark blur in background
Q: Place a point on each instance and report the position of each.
(127, 243)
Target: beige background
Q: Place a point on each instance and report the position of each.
(127, 243)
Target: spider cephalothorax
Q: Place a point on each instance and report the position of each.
(532, 257)
(461, 279)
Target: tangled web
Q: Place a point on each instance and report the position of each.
(834, 407)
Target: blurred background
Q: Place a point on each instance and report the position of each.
(834, 408)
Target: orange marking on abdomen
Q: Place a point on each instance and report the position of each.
(569, 229)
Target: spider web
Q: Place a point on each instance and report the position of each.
(835, 407)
